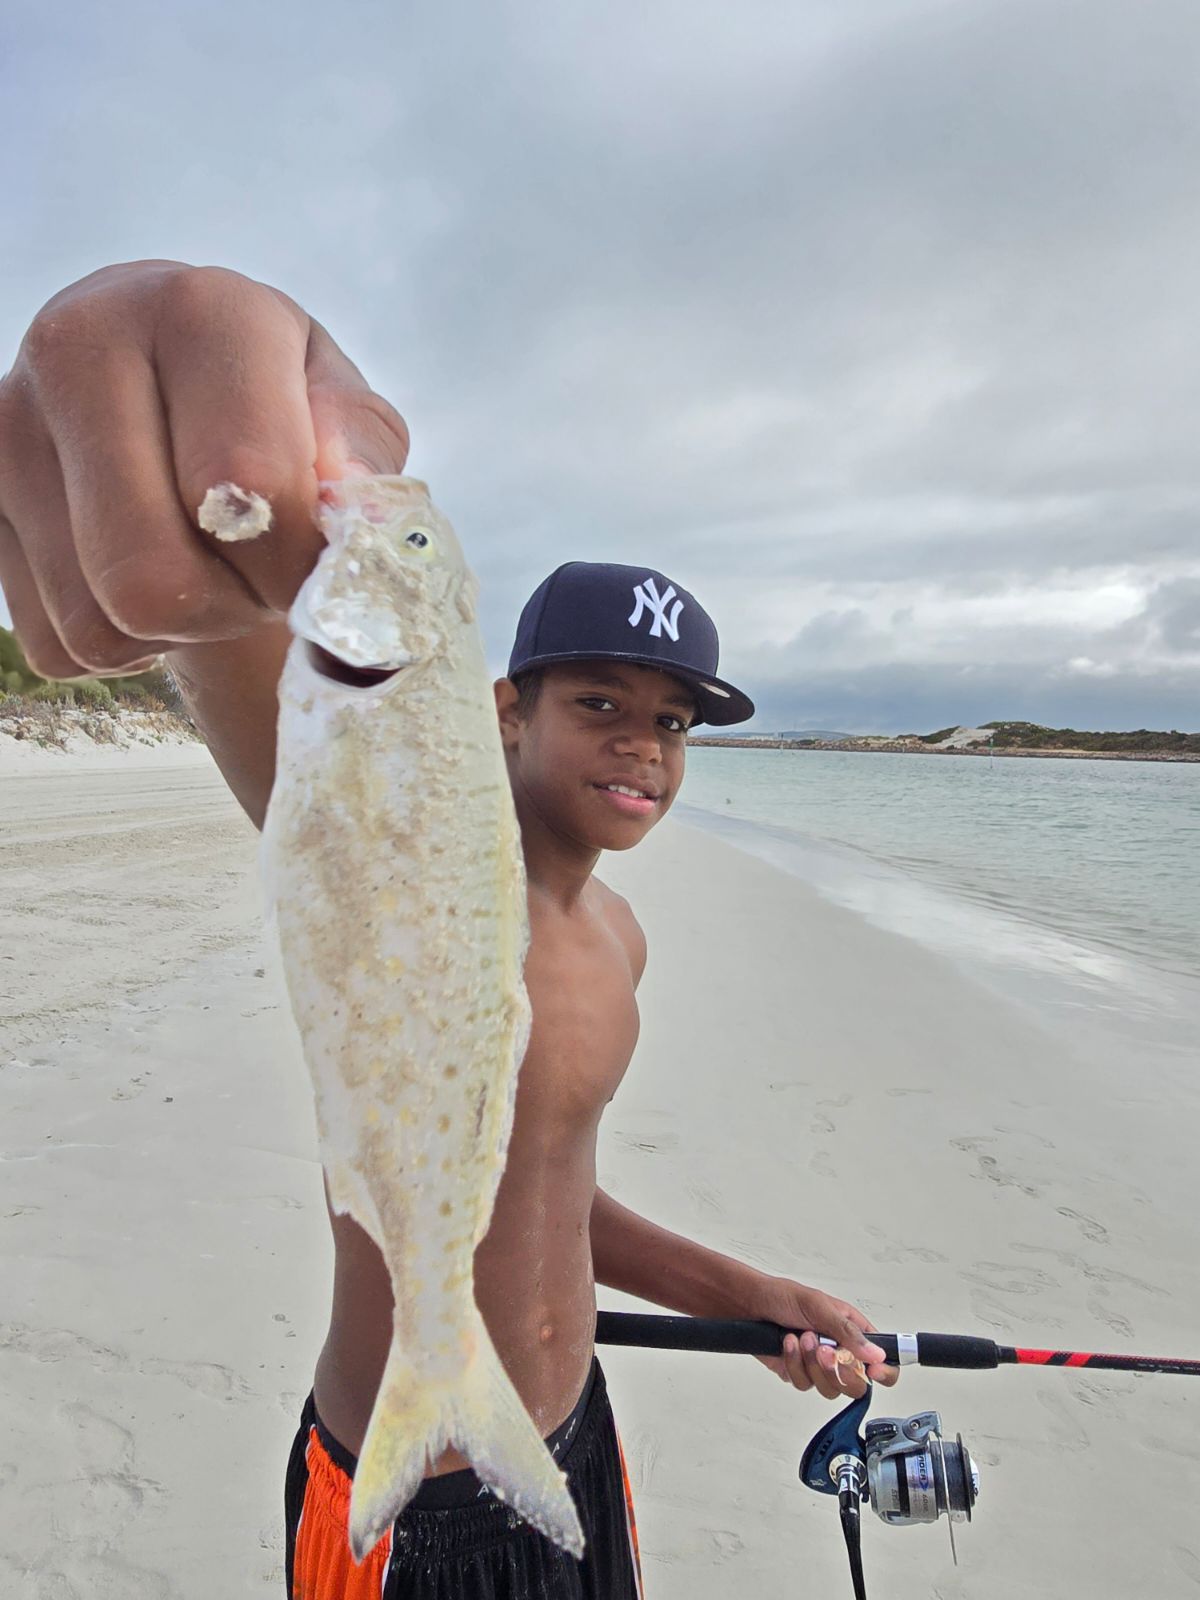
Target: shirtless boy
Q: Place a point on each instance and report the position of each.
(134, 392)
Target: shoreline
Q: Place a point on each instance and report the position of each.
(895, 747)
(1098, 994)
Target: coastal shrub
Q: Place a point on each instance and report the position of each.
(93, 692)
(1032, 736)
(12, 659)
(63, 693)
(148, 691)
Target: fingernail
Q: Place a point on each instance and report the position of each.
(789, 1345)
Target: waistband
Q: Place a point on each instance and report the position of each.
(451, 1489)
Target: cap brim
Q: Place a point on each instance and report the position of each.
(717, 702)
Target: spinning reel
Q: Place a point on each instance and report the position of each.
(903, 1467)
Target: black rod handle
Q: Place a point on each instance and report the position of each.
(725, 1336)
(734, 1337)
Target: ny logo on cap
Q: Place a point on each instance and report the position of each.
(647, 598)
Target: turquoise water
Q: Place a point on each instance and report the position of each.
(1089, 870)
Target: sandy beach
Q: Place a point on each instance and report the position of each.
(821, 1097)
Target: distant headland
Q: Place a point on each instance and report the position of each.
(990, 738)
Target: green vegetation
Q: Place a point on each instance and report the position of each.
(935, 738)
(1031, 736)
(143, 691)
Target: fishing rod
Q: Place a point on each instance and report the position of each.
(960, 1350)
(903, 1467)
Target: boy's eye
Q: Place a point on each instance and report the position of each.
(597, 702)
(675, 724)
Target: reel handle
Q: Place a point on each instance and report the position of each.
(734, 1337)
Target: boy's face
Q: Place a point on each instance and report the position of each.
(598, 727)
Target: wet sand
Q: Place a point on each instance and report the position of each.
(825, 1099)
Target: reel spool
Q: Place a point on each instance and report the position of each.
(903, 1467)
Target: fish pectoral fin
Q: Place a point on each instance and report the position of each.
(481, 1414)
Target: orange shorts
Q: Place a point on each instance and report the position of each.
(455, 1540)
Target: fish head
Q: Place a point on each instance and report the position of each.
(392, 582)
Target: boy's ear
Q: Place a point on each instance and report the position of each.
(507, 696)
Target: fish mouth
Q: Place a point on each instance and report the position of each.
(327, 665)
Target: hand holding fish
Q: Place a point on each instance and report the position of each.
(135, 392)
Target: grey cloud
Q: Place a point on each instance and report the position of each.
(1173, 611)
(888, 293)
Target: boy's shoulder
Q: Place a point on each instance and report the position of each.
(618, 914)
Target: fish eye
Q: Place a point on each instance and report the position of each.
(417, 539)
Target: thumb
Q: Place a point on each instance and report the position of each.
(356, 431)
(860, 1344)
(354, 428)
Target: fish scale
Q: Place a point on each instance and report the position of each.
(394, 867)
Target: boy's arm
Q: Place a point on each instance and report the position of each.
(636, 1256)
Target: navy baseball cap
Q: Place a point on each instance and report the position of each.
(591, 610)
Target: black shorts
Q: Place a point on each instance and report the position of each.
(455, 1540)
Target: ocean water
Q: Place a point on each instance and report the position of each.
(1076, 883)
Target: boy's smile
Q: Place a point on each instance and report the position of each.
(638, 801)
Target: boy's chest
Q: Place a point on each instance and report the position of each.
(585, 1025)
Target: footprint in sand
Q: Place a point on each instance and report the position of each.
(59, 1344)
(706, 1197)
(1027, 1133)
(819, 1164)
(1000, 1313)
(89, 1561)
(1006, 1279)
(643, 1454)
(1065, 1429)
(104, 1450)
(724, 1543)
(136, 1085)
(991, 1169)
(1088, 1226)
(1114, 1319)
(899, 1253)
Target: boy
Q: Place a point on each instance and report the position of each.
(135, 392)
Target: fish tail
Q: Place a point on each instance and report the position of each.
(480, 1414)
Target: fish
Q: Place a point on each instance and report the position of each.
(393, 869)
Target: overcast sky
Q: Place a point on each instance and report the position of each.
(874, 322)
